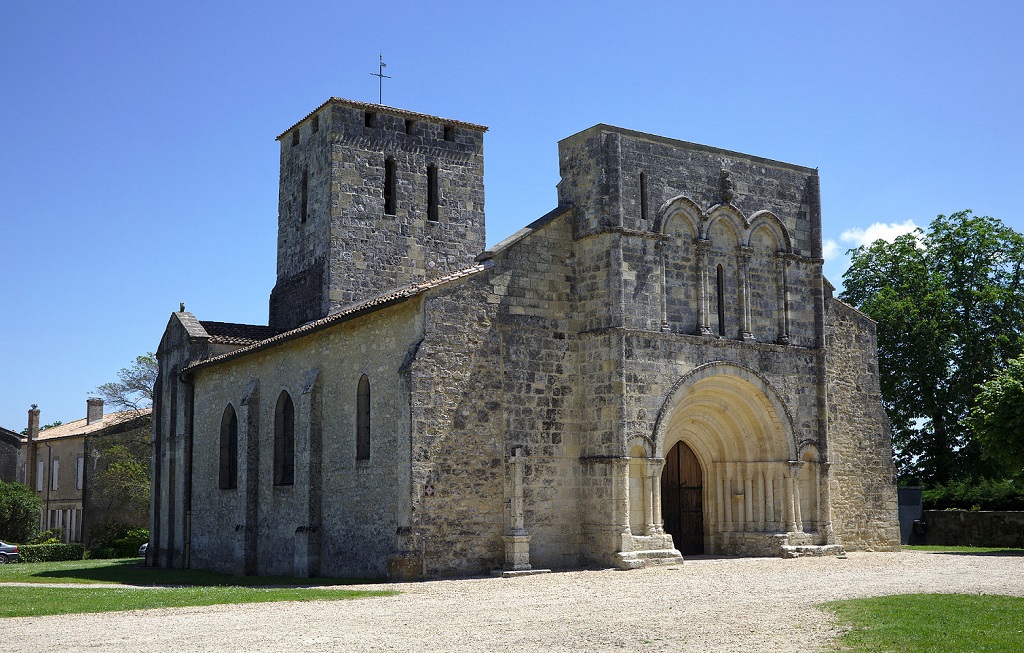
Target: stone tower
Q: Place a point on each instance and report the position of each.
(372, 198)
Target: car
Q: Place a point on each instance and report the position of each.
(142, 549)
(8, 553)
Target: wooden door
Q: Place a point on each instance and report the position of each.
(682, 499)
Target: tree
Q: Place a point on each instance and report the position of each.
(134, 389)
(19, 512)
(997, 418)
(950, 313)
(121, 485)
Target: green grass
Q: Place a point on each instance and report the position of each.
(146, 587)
(932, 623)
(965, 549)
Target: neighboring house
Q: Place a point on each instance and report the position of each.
(656, 366)
(58, 462)
(10, 453)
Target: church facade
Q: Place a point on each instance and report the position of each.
(654, 369)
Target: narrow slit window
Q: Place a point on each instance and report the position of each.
(643, 196)
(284, 441)
(389, 186)
(369, 119)
(410, 126)
(229, 449)
(303, 209)
(721, 300)
(295, 137)
(363, 419)
(432, 193)
(315, 124)
(449, 133)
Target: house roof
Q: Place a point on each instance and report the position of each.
(79, 426)
(380, 301)
(382, 108)
(231, 333)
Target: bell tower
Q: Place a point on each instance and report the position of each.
(372, 198)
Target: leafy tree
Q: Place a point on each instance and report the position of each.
(997, 418)
(19, 512)
(121, 485)
(950, 313)
(134, 388)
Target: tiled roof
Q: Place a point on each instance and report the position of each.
(351, 311)
(230, 333)
(382, 108)
(79, 426)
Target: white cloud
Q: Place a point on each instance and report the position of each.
(877, 231)
(829, 249)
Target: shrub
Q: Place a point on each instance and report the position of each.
(103, 553)
(974, 494)
(52, 536)
(50, 552)
(19, 512)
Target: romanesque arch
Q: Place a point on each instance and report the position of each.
(760, 488)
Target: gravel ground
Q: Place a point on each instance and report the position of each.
(705, 604)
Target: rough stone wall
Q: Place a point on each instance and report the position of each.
(495, 372)
(345, 247)
(974, 528)
(349, 513)
(864, 506)
(10, 451)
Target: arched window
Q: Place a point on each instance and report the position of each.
(229, 449)
(284, 441)
(721, 301)
(643, 196)
(363, 419)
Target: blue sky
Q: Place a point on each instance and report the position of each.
(138, 167)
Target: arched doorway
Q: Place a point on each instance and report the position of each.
(682, 499)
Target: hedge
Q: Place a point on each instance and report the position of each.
(50, 552)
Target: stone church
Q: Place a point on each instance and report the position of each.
(655, 368)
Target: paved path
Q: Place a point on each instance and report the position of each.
(746, 605)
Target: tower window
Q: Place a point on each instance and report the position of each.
(389, 186)
(315, 124)
(370, 119)
(305, 195)
(721, 301)
(643, 197)
(363, 419)
(409, 126)
(432, 193)
(295, 137)
(449, 133)
(284, 441)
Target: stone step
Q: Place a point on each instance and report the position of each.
(649, 558)
(812, 550)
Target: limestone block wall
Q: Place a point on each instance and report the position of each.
(494, 373)
(864, 505)
(338, 240)
(349, 514)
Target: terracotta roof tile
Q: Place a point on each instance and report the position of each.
(79, 426)
(352, 310)
(230, 333)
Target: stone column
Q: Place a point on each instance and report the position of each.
(517, 540)
(782, 284)
(789, 509)
(701, 246)
(656, 465)
(247, 494)
(826, 504)
(743, 255)
(665, 327)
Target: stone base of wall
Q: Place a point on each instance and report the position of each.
(773, 545)
(967, 528)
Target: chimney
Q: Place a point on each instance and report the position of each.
(94, 410)
(33, 422)
(30, 453)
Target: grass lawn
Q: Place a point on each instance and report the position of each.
(932, 623)
(146, 587)
(965, 549)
